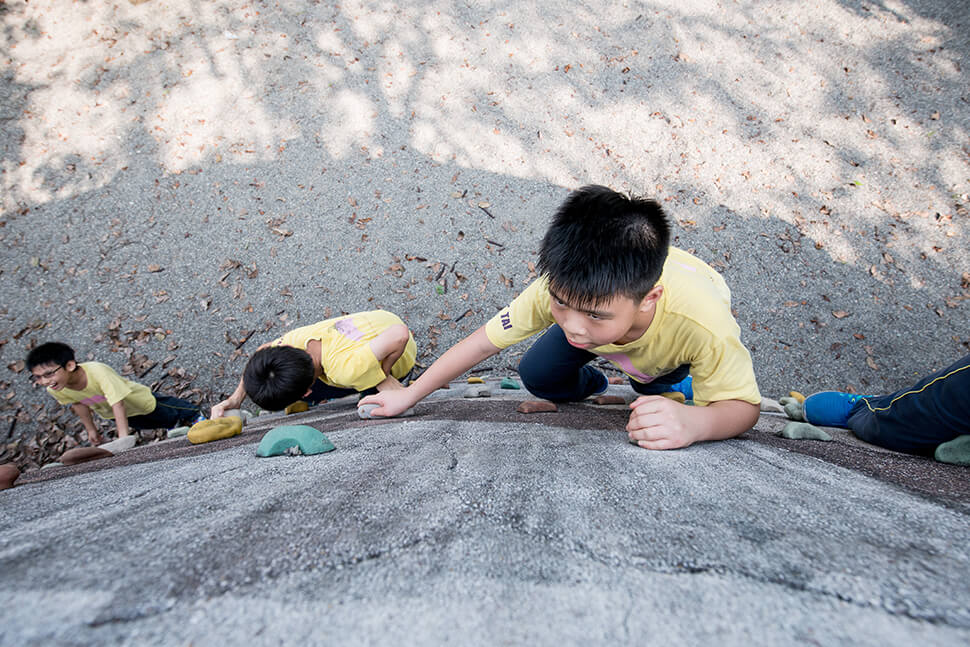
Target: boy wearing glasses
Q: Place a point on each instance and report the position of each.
(93, 386)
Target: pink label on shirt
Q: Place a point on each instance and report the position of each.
(94, 399)
(624, 362)
(347, 328)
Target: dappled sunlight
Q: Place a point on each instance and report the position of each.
(72, 142)
(707, 109)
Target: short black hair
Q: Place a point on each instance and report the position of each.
(277, 376)
(53, 352)
(602, 244)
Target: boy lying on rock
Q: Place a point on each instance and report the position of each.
(611, 286)
(93, 386)
(326, 360)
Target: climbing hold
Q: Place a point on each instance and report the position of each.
(676, 396)
(83, 455)
(955, 452)
(537, 406)
(771, 406)
(798, 396)
(216, 429)
(476, 380)
(8, 474)
(281, 440)
(509, 383)
(609, 399)
(364, 412)
(177, 432)
(238, 413)
(803, 431)
(122, 444)
(793, 408)
(477, 391)
(297, 407)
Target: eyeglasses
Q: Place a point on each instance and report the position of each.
(46, 375)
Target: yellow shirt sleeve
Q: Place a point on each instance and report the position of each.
(527, 315)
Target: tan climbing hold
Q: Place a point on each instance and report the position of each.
(609, 399)
(537, 406)
(8, 474)
(798, 396)
(215, 429)
(83, 455)
(297, 407)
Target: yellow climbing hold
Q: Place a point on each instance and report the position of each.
(675, 396)
(297, 407)
(798, 396)
(476, 380)
(215, 429)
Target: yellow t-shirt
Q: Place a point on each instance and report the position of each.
(106, 388)
(692, 325)
(345, 354)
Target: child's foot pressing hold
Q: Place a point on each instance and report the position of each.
(954, 452)
(803, 431)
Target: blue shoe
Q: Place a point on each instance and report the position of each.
(685, 386)
(830, 408)
(602, 389)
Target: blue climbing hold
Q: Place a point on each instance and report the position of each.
(279, 440)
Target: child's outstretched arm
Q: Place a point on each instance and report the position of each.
(83, 412)
(235, 400)
(456, 360)
(657, 422)
(121, 418)
(388, 348)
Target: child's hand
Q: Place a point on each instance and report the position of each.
(392, 402)
(219, 410)
(657, 422)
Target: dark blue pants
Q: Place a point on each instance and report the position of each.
(169, 412)
(918, 418)
(321, 392)
(555, 370)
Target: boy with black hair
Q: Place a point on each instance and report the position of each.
(611, 286)
(326, 360)
(93, 386)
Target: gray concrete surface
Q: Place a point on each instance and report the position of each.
(192, 172)
(176, 177)
(484, 527)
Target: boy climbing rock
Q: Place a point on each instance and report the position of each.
(612, 287)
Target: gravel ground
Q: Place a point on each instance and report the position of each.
(182, 181)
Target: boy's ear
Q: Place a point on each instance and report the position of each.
(70, 366)
(651, 298)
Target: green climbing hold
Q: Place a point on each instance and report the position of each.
(793, 408)
(955, 452)
(279, 440)
(803, 431)
(509, 383)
